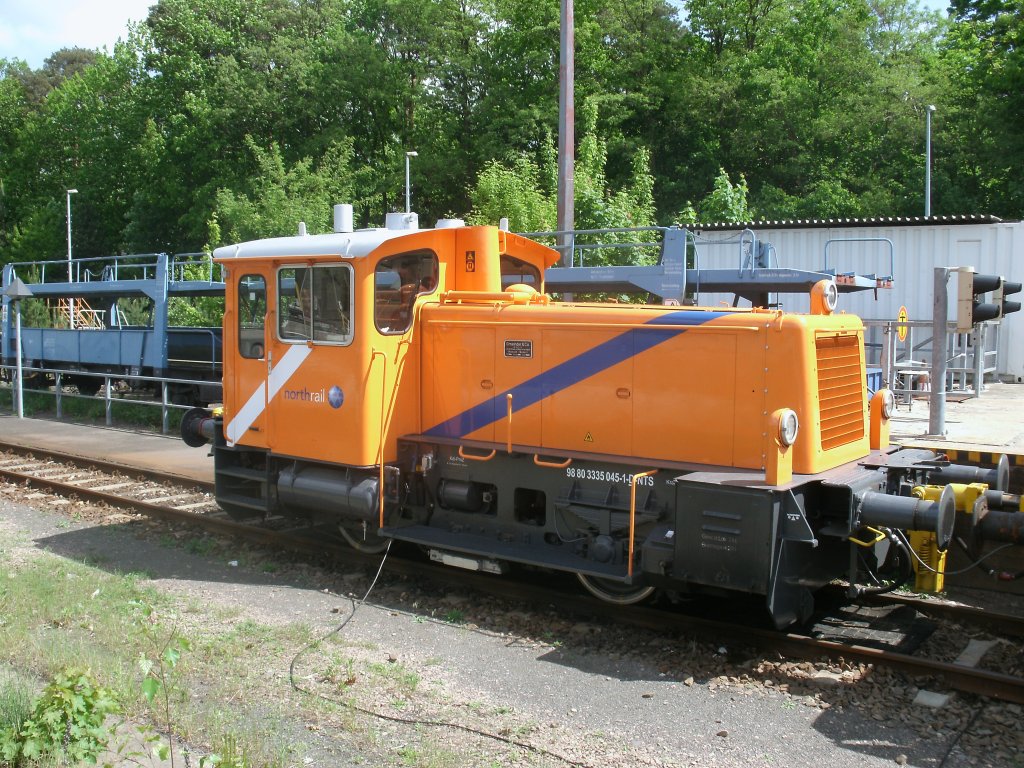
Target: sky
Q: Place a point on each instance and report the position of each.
(33, 29)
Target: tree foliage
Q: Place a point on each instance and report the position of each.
(219, 120)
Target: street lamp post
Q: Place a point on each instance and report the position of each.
(928, 160)
(408, 207)
(71, 304)
(70, 193)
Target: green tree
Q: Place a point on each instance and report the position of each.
(279, 197)
(525, 191)
(978, 125)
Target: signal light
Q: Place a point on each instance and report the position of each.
(1004, 290)
(971, 287)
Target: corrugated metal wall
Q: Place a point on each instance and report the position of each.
(990, 248)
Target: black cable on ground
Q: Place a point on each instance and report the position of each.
(406, 720)
(960, 734)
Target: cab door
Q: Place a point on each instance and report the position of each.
(246, 362)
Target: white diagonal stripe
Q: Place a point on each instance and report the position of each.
(257, 402)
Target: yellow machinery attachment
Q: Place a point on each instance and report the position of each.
(968, 498)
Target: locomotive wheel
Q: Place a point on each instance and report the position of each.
(371, 545)
(615, 591)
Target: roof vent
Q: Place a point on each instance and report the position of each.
(302, 229)
(449, 223)
(343, 217)
(402, 221)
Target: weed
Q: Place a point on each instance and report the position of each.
(203, 546)
(405, 678)
(158, 667)
(66, 722)
(455, 616)
(342, 676)
(409, 755)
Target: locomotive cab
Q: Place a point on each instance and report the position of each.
(322, 369)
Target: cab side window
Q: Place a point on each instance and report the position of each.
(315, 304)
(398, 280)
(252, 313)
(516, 271)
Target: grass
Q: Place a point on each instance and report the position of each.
(57, 613)
(202, 546)
(455, 616)
(60, 614)
(16, 694)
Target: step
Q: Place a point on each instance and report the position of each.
(242, 473)
(492, 548)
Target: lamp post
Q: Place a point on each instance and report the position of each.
(71, 303)
(928, 160)
(70, 193)
(408, 207)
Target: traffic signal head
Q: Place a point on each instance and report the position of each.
(1007, 289)
(970, 309)
(971, 288)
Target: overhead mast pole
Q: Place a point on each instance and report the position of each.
(566, 132)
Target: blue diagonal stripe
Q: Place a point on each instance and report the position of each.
(571, 372)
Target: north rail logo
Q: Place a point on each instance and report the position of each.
(333, 397)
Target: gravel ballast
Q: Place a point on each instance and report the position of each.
(577, 692)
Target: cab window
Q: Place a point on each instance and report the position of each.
(516, 271)
(252, 312)
(315, 304)
(398, 280)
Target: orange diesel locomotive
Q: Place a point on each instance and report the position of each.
(419, 385)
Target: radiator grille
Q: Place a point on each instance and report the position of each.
(840, 390)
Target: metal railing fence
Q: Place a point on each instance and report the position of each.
(107, 393)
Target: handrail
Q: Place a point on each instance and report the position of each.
(494, 297)
(551, 464)
(380, 441)
(132, 266)
(748, 254)
(471, 457)
(572, 246)
(892, 251)
(632, 515)
(508, 436)
(164, 405)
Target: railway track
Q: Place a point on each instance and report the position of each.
(58, 477)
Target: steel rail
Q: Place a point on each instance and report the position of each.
(213, 524)
(107, 466)
(1002, 623)
(968, 679)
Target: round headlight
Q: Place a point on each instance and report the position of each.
(831, 297)
(888, 403)
(789, 427)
